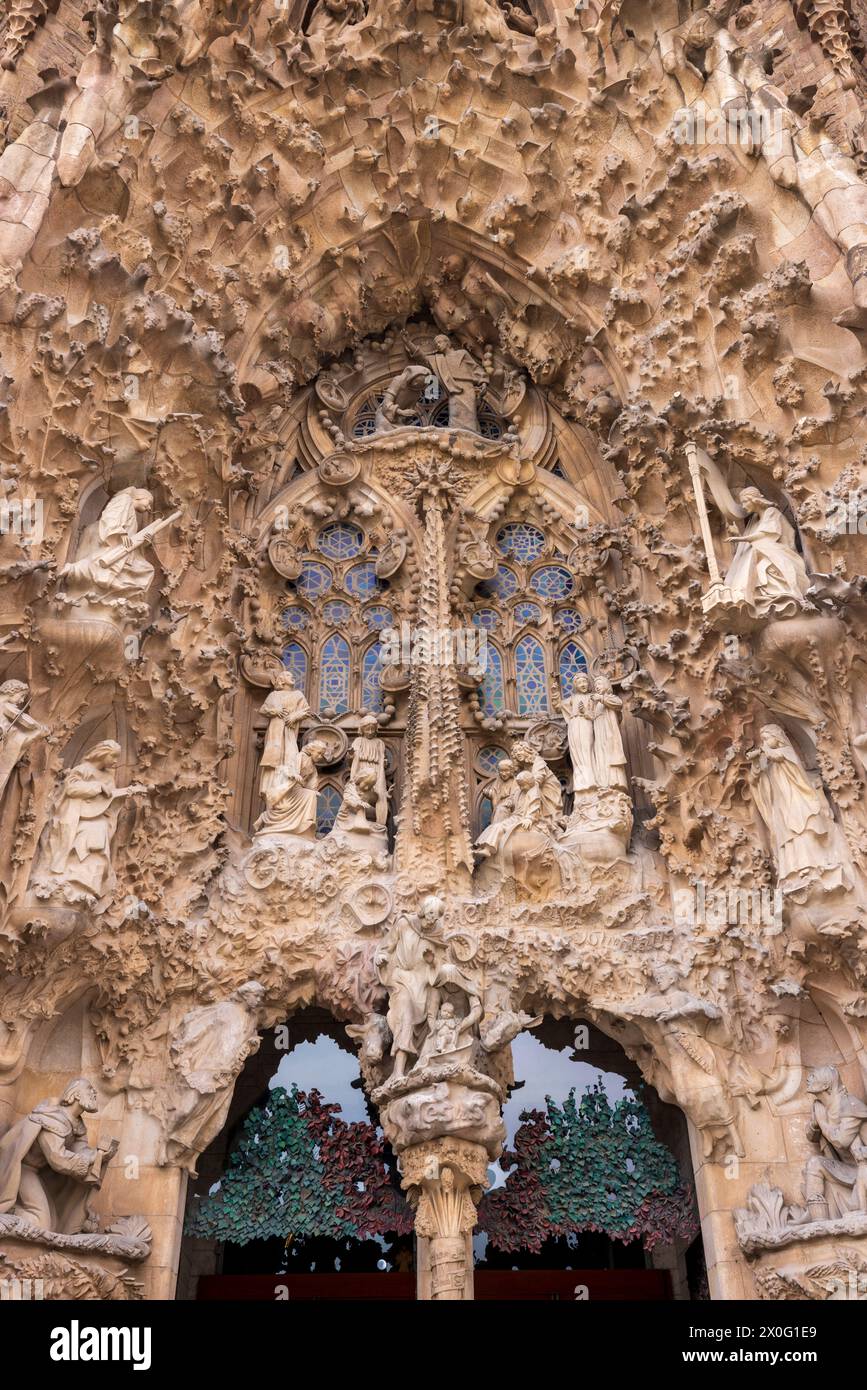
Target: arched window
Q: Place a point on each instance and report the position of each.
(328, 800)
(572, 661)
(295, 660)
(335, 676)
(371, 690)
(493, 695)
(530, 678)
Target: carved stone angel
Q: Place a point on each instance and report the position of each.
(209, 1047)
(115, 569)
(767, 576)
(75, 857)
(18, 730)
(806, 844)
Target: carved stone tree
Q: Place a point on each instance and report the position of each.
(500, 377)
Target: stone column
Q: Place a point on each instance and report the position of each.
(444, 1180)
(434, 826)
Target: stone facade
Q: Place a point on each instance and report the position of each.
(498, 372)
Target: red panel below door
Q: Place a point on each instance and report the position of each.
(604, 1285)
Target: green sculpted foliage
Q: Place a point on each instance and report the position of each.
(301, 1170)
(588, 1165)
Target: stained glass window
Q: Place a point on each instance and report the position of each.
(492, 691)
(362, 580)
(530, 679)
(486, 617)
(568, 619)
(490, 425)
(296, 618)
(552, 582)
(295, 660)
(336, 611)
(521, 541)
(503, 585)
(314, 579)
(486, 811)
(334, 676)
(365, 420)
(572, 660)
(440, 417)
(377, 617)
(341, 541)
(328, 801)
(527, 613)
(489, 757)
(371, 690)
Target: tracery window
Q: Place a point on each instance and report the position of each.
(331, 612)
(533, 628)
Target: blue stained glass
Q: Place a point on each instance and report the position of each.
(341, 541)
(492, 692)
(521, 541)
(314, 579)
(334, 677)
(328, 801)
(503, 585)
(557, 470)
(377, 617)
(371, 690)
(486, 617)
(527, 613)
(295, 660)
(489, 756)
(365, 419)
(569, 619)
(552, 582)
(572, 660)
(440, 417)
(486, 811)
(530, 677)
(362, 581)
(296, 618)
(336, 611)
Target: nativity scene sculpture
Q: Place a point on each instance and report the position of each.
(516, 360)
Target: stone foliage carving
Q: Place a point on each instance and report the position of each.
(274, 389)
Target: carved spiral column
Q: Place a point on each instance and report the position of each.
(444, 1180)
(434, 825)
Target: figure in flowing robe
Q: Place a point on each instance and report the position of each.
(17, 729)
(578, 711)
(211, 1044)
(290, 796)
(286, 709)
(503, 797)
(609, 758)
(368, 755)
(461, 376)
(805, 841)
(48, 1171)
(130, 575)
(767, 575)
(835, 1179)
(407, 966)
(77, 851)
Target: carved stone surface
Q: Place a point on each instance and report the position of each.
(432, 515)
